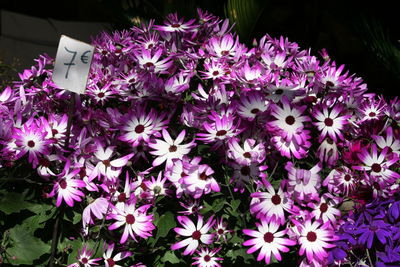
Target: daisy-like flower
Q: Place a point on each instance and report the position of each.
(55, 128)
(221, 229)
(206, 258)
(107, 167)
(275, 62)
(67, 186)
(136, 221)
(249, 153)
(244, 174)
(289, 120)
(152, 62)
(200, 181)
(251, 105)
(221, 128)
(325, 210)
(304, 183)
(169, 149)
(271, 204)
(31, 139)
(110, 261)
(84, 257)
(390, 141)
(174, 24)
(269, 240)
(214, 70)
(372, 109)
(139, 125)
(223, 46)
(100, 94)
(341, 181)
(195, 233)
(330, 123)
(157, 187)
(297, 146)
(378, 164)
(314, 238)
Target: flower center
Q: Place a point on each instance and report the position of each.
(347, 177)
(84, 260)
(44, 162)
(221, 133)
(247, 155)
(203, 176)
(372, 114)
(63, 184)
(54, 131)
(139, 129)
(376, 186)
(290, 120)
(330, 84)
(376, 167)
(175, 25)
(220, 231)
(31, 143)
(311, 236)
(107, 163)
(196, 235)
(130, 219)
(276, 199)
(149, 64)
(122, 197)
(110, 262)
(278, 91)
(82, 172)
(207, 258)
(173, 148)
(225, 52)
(328, 122)
(323, 207)
(255, 110)
(245, 170)
(215, 73)
(101, 95)
(268, 237)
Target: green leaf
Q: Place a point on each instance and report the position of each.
(25, 248)
(43, 213)
(165, 223)
(11, 202)
(170, 256)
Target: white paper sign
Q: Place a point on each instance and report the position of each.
(72, 65)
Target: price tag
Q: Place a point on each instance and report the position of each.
(72, 65)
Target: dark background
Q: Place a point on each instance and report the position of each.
(338, 26)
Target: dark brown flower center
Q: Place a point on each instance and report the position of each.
(221, 133)
(101, 95)
(268, 237)
(323, 207)
(173, 148)
(122, 197)
(225, 52)
(196, 235)
(110, 262)
(278, 91)
(347, 177)
(311, 236)
(215, 73)
(290, 120)
(255, 110)
(31, 143)
(107, 163)
(372, 114)
(328, 122)
(149, 64)
(130, 219)
(376, 167)
(63, 184)
(175, 25)
(84, 260)
(203, 176)
(247, 155)
(276, 199)
(139, 129)
(54, 131)
(82, 172)
(330, 84)
(44, 162)
(220, 231)
(207, 258)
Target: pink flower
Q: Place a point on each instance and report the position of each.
(174, 24)
(314, 238)
(136, 221)
(305, 183)
(99, 208)
(206, 258)
(110, 261)
(200, 181)
(84, 257)
(152, 63)
(170, 149)
(67, 186)
(268, 240)
(195, 233)
(251, 152)
(251, 105)
(330, 123)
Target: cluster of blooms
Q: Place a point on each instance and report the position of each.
(158, 95)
